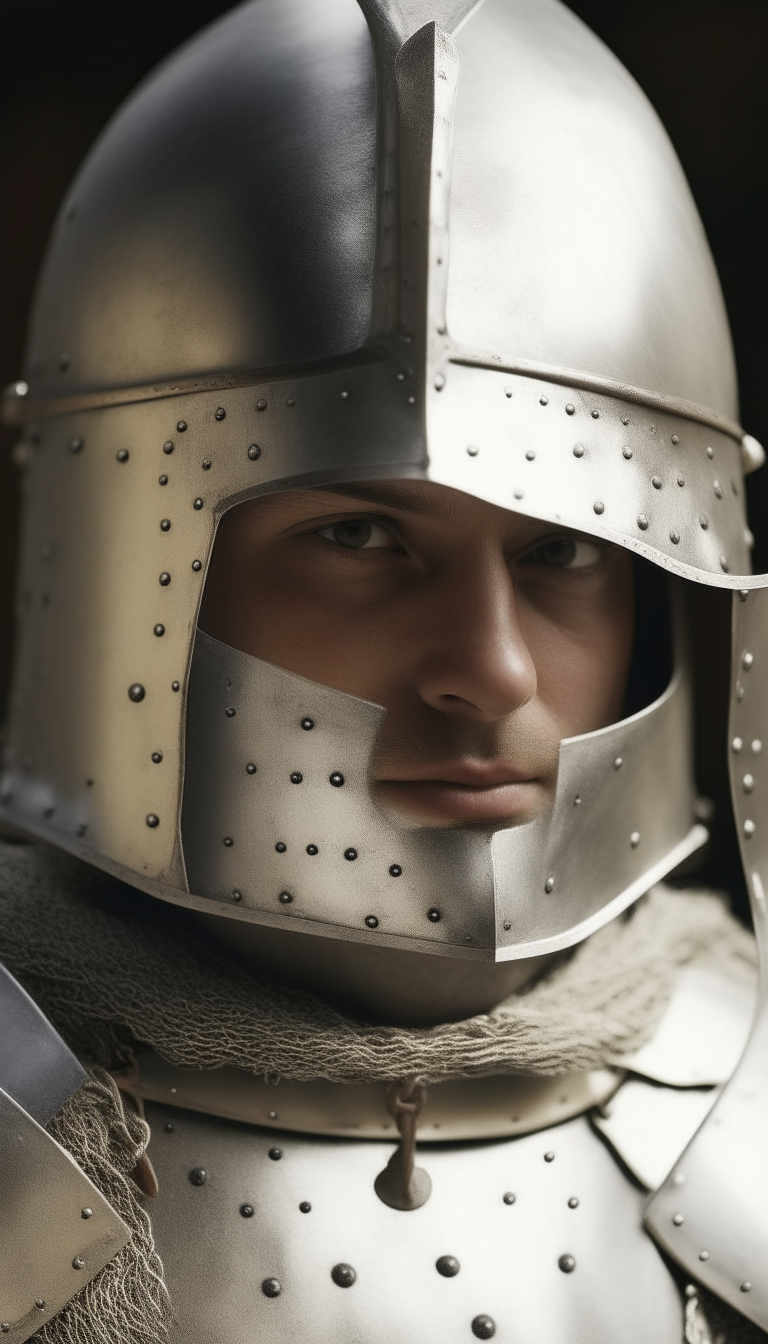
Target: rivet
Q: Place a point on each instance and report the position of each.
(157, 757)
(507, 391)
(598, 506)
(197, 565)
(710, 452)
(312, 849)
(122, 454)
(626, 452)
(76, 445)
(577, 800)
(290, 401)
(86, 1212)
(570, 410)
(159, 630)
(748, 783)
(507, 924)
(162, 480)
(168, 446)
(371, 922)
(261, 404)
(206, 464)
(230, 712)
(198, 1176)
(674, 537)
(181, 426)
(343, 1275)
(566, 1263)
(296, 777)
(271, 1287)
(508, 1197)
(395, 870)
(651, 429)
(739, 692)
(625, 421)
(350, 854)
(483, 1327)
(578, 450)
(136, 692)
(305, 1206)
(530, 455)
(549, 1157)
(250, 768)
(543, 401)
(595, 415)
(275, 1154)
(703, 521)
(656, 482)
(745, 1287)
(573, 1202)
(152, 820)
(681, 480)
(634, 839)
(336, 779)
(675, 438)
(254, 452)
(165, 524)
(227, 842)
(197, 503)
(518, 494)
(343, 396)
(307, 724)
(703, 1255)
(5, 1327)
(549, 884)
(749, 828)
(164, 579)
(400, 377)
(281, 847)
(246, 1210)
(618, 761)
(642, 522)
(219, 413)
(40, 1303)
(718, 489)
(472, 451)
(448, 1266)
(433, 915)
(285, 898)
(678, 1178)
(757, 746)
(78, 1262)
(747, 659)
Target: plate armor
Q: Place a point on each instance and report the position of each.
(432, 240)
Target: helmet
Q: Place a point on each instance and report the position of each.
(399, 239)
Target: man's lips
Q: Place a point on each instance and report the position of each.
(464, 793)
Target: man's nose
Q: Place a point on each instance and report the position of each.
(475, 661)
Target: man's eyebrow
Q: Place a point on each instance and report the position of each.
(426, 505)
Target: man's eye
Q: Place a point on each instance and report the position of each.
(566, 553)
(357, 534)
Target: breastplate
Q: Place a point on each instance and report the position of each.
(272, 1236)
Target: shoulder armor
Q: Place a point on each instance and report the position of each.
(57, 1231)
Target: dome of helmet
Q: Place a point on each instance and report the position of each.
(228, 217)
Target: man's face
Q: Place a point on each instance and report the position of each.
(487, 636)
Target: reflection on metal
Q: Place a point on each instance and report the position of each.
(48, 1248)
(711, 1212)
(648, 1125)
(36, 1068)
(549, 1249)
(480, 1108)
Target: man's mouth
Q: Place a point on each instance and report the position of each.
(465, 793)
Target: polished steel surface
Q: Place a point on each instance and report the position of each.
(648, 1125)
(563, 1258)
(282, 822)
(37, 1069)
(56, 1230)
(480, 1108)
(712, 1213)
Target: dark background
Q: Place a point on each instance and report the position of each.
(67, 64)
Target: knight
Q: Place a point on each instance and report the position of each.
(384, 523)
